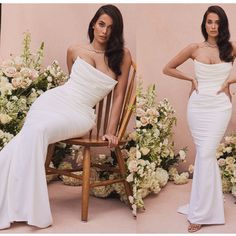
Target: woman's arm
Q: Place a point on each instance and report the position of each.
(70, 58)
(180, 58)
(118, 99)
(231, 80)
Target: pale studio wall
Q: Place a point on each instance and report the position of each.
(162, 31)
(58, 25)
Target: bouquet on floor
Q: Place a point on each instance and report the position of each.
(22, 80)
(226, 157)
(150, 150)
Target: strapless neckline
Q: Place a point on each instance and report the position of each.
(215, 64)
(95, 69)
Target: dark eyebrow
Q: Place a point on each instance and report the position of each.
(104, 22)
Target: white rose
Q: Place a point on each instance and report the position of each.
(138, 154)
(142, 162)
(7, 63)
(145, 150)
(156, 133)
(132, 136)
(182, 155)
(49, 78)
(34, 74)
(228, 149)
(191, 169)
(4, 119)
(228, 139)
(132, 166)
(144, 121)
(138, 124)
(131, 199)
(10, 71)
(229, 160)
(52, 72)
(219, 154)
(26, 83)
(182, 178)
(221, 162)
(25, 72)
(140, 112)
(165, 142)
(16, 82)
(130, 178)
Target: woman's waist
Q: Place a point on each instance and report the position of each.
(201, 100)
(80, 95)
(211, 90)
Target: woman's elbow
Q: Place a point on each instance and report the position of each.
(165, 70)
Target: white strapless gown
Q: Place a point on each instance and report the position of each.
(60, 113)
(208, 117)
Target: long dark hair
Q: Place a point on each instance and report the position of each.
(115, 46)
(223, 43)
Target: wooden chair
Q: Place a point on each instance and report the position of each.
(94, 140)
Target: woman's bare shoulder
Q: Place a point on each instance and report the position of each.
(192, 49)
(75, 49)
(194, 46)
(127, 55)
(234, 45)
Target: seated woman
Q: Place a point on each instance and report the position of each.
(62, 113)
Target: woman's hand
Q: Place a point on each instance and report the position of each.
(225, 89)
(194, 87)
(112, 140)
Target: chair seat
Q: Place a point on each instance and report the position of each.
(91, 142)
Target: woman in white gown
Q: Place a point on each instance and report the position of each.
(61, 113)
(208, 112)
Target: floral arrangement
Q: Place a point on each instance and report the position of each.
(226, 157)
(150, 151)
(22, 80)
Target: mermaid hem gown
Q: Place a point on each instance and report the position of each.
(58, 114)
(208, 117)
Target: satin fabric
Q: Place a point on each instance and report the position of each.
(60, 113)
(208, 117)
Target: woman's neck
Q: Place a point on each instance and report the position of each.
(211, 41)
(98, 46)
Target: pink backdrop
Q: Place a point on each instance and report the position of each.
(58, 25)
(162, 31)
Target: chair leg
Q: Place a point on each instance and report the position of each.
(86, 183)
(122, 168)
(50, 152)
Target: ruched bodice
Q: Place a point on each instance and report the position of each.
(88, 84)
(84, 89)
(208, 116)
(210, 77)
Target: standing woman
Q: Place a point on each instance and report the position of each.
(61, 113)
(209, 111)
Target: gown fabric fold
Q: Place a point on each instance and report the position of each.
(208, 117)
(58, 114)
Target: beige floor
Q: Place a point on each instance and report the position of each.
(112, 216)
(105, 215)
(160, 215)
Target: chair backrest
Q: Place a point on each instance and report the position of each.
(103, 109)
